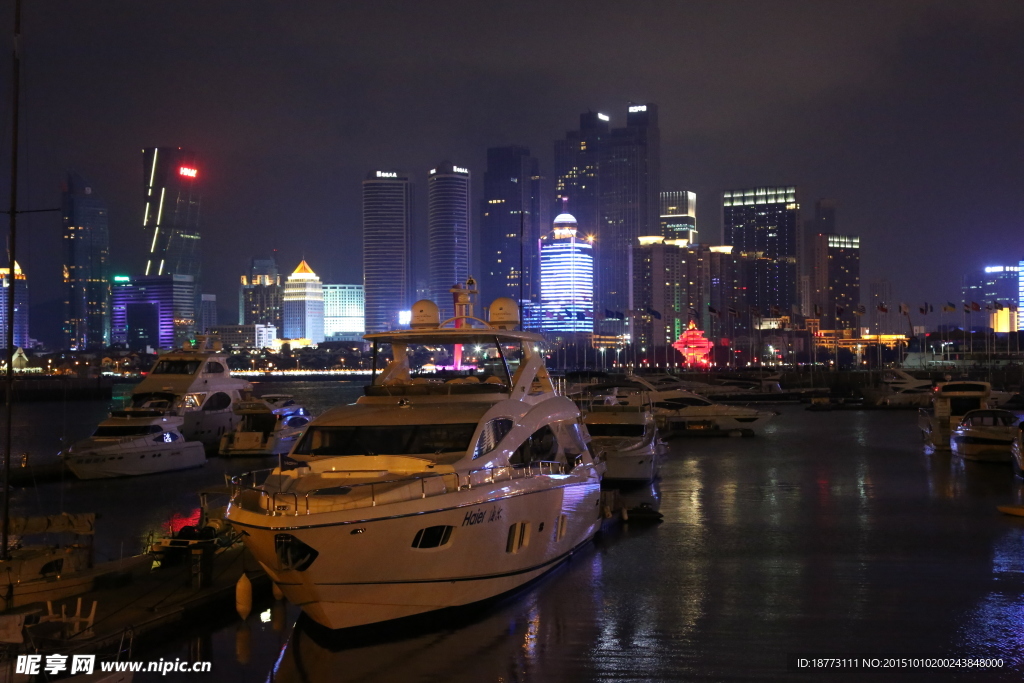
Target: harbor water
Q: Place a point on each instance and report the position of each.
(831, 534)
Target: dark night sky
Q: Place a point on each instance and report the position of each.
(908, 114)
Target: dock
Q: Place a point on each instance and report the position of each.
(126, 613)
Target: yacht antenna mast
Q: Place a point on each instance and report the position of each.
(11, 280)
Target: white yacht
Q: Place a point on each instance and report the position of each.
(678, 411)
(985, 435)
(268, 425)
(899, 388)
(130, 446)
(1017, 452)
(950, 402)
(625, 437)
(427, 494)
(195, 384)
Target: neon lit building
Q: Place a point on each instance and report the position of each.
(21, 338)
(448, 232)
(157, 311)
(679, 215)
(343, 312)
(566, 280)
(171, 216)
(260, 296)
(387, 249)
(304, 305)
(86, 257)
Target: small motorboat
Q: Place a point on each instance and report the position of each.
(950, 403)
(678, 411)
(985, 435)
(625, 437)
(130, 446)
(1017, 452)
(268, 425)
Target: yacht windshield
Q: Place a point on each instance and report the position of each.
(176, 367)
(387, 440)
(615, 430)
(119, 430)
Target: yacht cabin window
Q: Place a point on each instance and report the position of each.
(214, 367)
(119, 430)
(432, 439)
(635, 430)
(491, 435)
(176, 367)
(542, 445)
(219, 401)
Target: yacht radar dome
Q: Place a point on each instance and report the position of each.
(425, 315)
(503, 313)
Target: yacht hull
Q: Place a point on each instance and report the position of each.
(636, 464)
(367, 570)
(698, 423)
(181, 455)
(989, 445)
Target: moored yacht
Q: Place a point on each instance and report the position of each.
(268, 425)
(195, 384)
(950, 402)
(985, 435)
(431, 491)
(678, 411)
(624, 436)
(131, 446)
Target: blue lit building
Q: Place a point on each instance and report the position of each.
(156, 311)
(20, 290)
(566, 280)
(990, 284)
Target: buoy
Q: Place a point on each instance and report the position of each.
(243, 596)
(278, 593)
(242, 646)
(625, 515)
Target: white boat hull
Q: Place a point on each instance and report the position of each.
(989, 444)
(629, 464)
(179, 455)
(701, 422)
(252, 444)
(347, 584)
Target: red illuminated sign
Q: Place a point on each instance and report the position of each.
(186, 171)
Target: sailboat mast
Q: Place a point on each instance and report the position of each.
(11, 280)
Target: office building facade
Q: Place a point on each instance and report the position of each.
(678, 216)
(448, 232)
(991, 284)
(762, 224)
(510, 225)
(566, 302)
(261, 295)
(171, 215)
(16, 287)
(86, 265)
(343, 312)
(304, 305)
(835, 288)
(153, 312)
(245, 336)
(387, 249)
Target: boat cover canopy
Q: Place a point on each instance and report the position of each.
(79, 523)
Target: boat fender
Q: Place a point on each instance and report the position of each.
(278, 593)
(243, 596)
(625, 515)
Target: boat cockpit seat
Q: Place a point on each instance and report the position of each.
(471, 379)
(493, 379)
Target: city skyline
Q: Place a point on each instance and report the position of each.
(284, 173)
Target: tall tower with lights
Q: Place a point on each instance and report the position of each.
(448, 232)
(304, 305)
(86, 262)
(387, 248)
(171, 215)
(566, 279)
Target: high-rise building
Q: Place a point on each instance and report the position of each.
(566, 279)
(613, 178)
(207, 312)
(387, 248)
(448, 232)
(156, 311)
(835, 282)
(20, 294)
(171, 217)
(245, 336)
(304, 305)
(343, 312)
(824, 217)
(763, 225)
(261, 296)
(86, 259)
(679, 215)
(884, 317)
(991, 284)
(510, 225)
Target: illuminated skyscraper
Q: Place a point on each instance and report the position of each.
(171, 216)
(206, 317)
(21, 338)
(566, 279)
(261, 296)
(343, 312)
(509, 224)
(679, 215)
(86, 256)
(387, 248)
(448, 232)
(762, 224)
(612, 181)
(836, 280)
(156, 312)
(304, 305)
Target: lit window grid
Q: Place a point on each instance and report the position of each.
(567, 286)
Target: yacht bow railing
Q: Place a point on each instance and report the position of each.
(249, 495)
